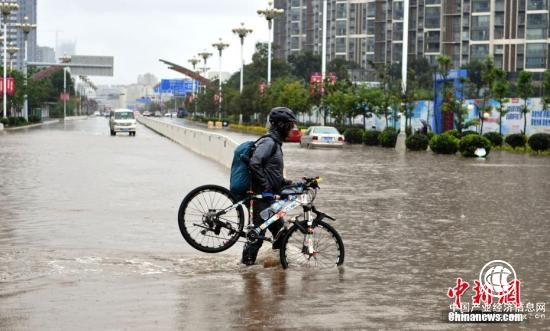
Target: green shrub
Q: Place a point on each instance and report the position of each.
(417, 142)
(516, 140)
(494, 137)
(468, 132)
(430, 135)
(371, 137)
(260, 130)
(12, 121)
(354, 135)
(4, 121)
(539, 141)
(21, 121)
(343, 128)
(35, 119)
(469, 144)
(388, 138)
(453, 133)
(444, 144)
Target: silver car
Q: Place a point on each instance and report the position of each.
(322, 136)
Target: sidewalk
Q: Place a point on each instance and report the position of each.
(30, 125)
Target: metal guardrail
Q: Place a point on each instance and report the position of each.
(211, 145)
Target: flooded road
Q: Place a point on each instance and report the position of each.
(89, 236)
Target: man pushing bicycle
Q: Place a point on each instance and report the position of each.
(266, 167)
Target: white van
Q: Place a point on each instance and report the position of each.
(122, 120)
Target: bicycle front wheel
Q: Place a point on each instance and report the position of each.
(200, 225)
(328, 248)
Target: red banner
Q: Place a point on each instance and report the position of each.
(10, 86)
(64, 96)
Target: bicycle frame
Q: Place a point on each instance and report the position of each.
(291, 202)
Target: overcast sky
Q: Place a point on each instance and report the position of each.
(138, 32)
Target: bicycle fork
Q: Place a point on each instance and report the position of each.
(308, 240)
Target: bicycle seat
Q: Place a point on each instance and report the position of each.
(292, 190)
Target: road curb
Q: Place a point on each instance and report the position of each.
(31, 126)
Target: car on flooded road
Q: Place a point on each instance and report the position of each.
(327, 136)
(122, 120)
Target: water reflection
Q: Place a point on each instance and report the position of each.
(82, 208)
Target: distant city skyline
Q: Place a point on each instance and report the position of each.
(173, 31)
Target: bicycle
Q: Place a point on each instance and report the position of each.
(211, 220)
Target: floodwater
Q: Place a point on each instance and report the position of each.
(89, 237)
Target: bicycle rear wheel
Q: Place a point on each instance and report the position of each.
(200, 226)
(327, 246)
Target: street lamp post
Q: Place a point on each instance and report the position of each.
(65, 59)
(242, 32)
(27, 27)
(270, 13)
(204, 55)
(194, 61)
(11, 51)
(6, 7)
(220, 46)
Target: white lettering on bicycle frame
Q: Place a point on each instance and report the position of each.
(278, 215)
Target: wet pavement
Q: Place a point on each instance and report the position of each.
(89, 236)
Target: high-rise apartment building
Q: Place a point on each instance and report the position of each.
(45, 54)
(17, 37)
(514, 32)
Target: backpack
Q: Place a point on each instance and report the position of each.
(241, 178)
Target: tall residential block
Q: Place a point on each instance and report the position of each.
(514, 32)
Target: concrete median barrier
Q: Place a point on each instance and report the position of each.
(214, 146)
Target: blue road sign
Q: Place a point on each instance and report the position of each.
(144, 100)
(179, 87)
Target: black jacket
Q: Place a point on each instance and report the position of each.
(266, 164)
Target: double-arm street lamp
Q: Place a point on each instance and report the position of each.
(242, 32)
(220, 46)
(65, 59)
(26, 27)
(204, 55)
(194, 61)
(12, 50)
(270, 13)
(6, 7)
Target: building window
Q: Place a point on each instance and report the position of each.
(370, 27)
(499, 5)
(371, 9)
(341, 28)
(535, 56)
(397, 31)
(295, 14)
(341, 10)
(537, 4)
(481, 6)
(398, 10)
(397, 52)
(432, 41)
(294, 28)
(537, 26)
(295, 43)
(340, 45)
(295, 3)
(432, 17)
(480, 27)
(433, 2)
(478, 52)
(370, 44)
